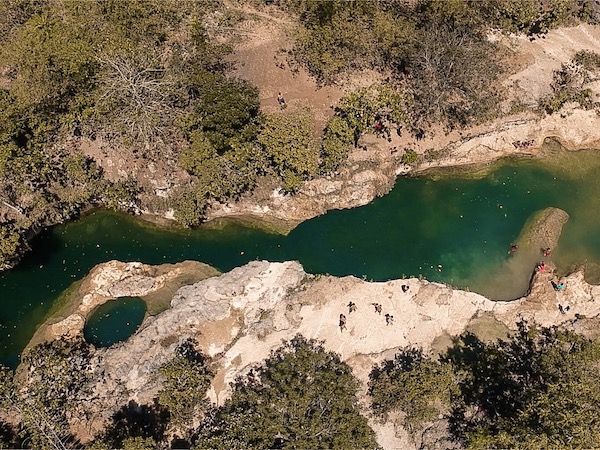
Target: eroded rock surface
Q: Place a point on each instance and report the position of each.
(115, 279)
(240, 316)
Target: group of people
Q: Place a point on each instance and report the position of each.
(523, 144)
(543, 267)
(389, 319)
(351, 309)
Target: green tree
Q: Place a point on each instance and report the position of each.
(189, 205)
(8, 393)
(421, 387)
(301, 397)
(121, 195)
(530, 16)
(186, 380)
(10, 244)
(339, 36)
(537, 389)
(288, 141)
(52, 60)
(225, 110)
(337, 142)
(53, 375)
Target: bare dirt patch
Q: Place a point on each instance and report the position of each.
(262, 58)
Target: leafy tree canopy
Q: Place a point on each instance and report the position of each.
(288, 141)
(186, 379)
(301, 397)
(420, 386)
(538, 389)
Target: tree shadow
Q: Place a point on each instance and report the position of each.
(134, 420)
(9, 436)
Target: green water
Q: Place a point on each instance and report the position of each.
(114, 321)
(456, 229)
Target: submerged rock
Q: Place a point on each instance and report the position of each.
(543, 229)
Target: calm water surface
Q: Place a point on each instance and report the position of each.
(455, 229)
(114, 321)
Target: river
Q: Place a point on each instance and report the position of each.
(454, 227)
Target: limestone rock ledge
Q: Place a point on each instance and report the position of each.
(115, 279)
(240, 316)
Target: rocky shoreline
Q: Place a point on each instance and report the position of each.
(240, 316)
(372, 173)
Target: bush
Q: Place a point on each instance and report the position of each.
(587, 59)
(529, 16)
(10, 244)
(288, 142)
(336, 144)
(225, 109)
(226, 175)
(569, 84)
(189, 205)
(186, 380)
(409, 156)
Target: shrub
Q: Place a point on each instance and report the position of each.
(529, 16)
(288, 141)
(336, 144)
(409, 156)
(10, 243)
(186, 380)
(189, 205)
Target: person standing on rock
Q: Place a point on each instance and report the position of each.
(351, 307)
(389, 319)
(342, 322)
(377, 307)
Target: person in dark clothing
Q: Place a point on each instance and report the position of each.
(342, 322)
(281, 101)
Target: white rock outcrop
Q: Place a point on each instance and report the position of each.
(239, 317)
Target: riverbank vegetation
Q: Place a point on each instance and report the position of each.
(154, 78)
(535, 389)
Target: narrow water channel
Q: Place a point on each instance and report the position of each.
(452, 228)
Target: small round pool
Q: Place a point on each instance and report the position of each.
(114, 321)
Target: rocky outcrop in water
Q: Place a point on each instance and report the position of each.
(115, 279)
(543, 229)
(240, 316)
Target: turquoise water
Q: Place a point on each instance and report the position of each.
(114, 321)
(456, 229)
